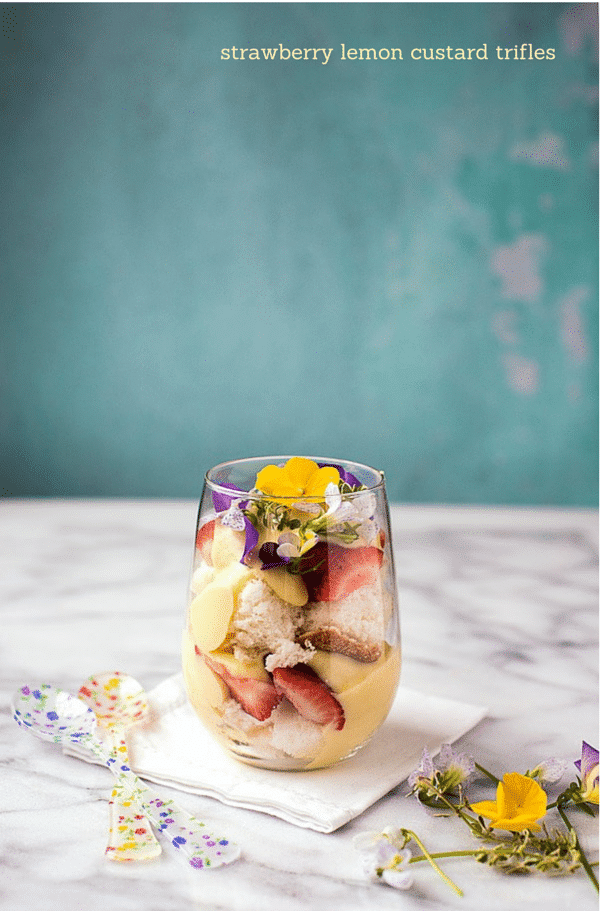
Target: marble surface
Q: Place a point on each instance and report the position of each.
(498, 607)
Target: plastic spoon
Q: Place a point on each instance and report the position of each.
(118, 701)
(55, 715)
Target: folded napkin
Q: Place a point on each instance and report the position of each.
(173, 748)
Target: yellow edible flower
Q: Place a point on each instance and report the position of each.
(520, 802)
(299, 478)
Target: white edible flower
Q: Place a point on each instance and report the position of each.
(291, 545)
(549, 771)
(383, 859)
(234, 517)
(333, 498)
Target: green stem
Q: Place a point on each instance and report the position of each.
(489, 774)
(421, 857)
(472, 824)
(584, 861)
(428, 856)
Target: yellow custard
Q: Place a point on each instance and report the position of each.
(366, 696)
(366, 706)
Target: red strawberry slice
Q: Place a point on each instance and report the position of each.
(309, 695)
(204, 540)
(346, 569)
(257, 697)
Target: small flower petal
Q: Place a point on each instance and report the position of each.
(288, 550)
(251, 539)
(385, 854)
(320, 480)
(222, 501)
(233, 517)
(455, 768)
(424, 772)
(366, 841)
(275, 481)
(398, 879)
(549, 771)
(346, 476)
(588, 767)
(589, 759)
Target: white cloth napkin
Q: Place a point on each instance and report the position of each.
(173, 748)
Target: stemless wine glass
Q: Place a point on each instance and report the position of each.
(291, 650)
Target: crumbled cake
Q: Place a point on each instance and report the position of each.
(262, 622)
(353, 626)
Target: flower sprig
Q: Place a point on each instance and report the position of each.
(518, 811)
(305, 502)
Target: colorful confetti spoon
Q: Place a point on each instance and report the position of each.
(55, 715)
(118, 701)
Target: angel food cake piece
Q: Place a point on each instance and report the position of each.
(282, 654)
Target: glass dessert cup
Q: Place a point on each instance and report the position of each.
(291, 649)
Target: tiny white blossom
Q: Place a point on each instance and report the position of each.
(385, 854)
(424, 772)
(333, 497)
(313, 509)
(364, 505)
(457, 768)
(549, 771)
(291, 545)
(382, 859)
(234, 517)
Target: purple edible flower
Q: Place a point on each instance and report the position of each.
(589, 758)
(269, 556)
(251, 538)
(422, 776)
(588, 767)
(221, 501)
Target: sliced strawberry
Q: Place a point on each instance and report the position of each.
(257, 697)
(342, 571)
(204, 540)
(312, 568)
(309, 695)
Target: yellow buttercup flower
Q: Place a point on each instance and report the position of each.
(520, 802)
(299, 479)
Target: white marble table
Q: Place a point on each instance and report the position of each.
(499, 607)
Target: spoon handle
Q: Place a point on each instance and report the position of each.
(184, 831)
(130, 834)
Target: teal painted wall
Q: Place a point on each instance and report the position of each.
(389, 261)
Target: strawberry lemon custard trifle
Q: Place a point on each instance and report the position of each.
(291, 651)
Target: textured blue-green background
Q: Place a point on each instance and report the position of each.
(394, 262)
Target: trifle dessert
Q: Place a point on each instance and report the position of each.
(291, 651)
